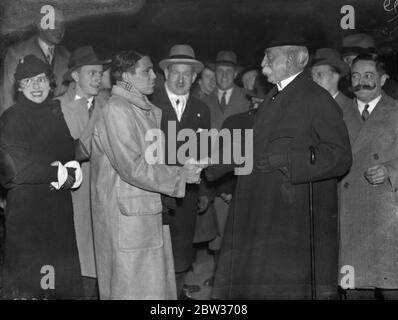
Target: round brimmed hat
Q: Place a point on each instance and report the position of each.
(182, 54)
(331, 57)
(30, 66)
(227, 58)
(83, 56)
(357, 43)
(287, 38)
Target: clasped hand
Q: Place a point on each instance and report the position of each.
(376, 175)
(193, 168)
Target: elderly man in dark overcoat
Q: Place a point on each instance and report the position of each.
(266, 249)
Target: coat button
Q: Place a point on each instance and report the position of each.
(375, 156)
(346, 185)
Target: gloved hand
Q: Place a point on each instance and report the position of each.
(271, 162)
(71, 178)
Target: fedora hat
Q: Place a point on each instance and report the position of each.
(181, 54)
(228, 58)
(330, 57)
(83, 56)
(358, 43)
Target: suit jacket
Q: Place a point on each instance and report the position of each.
(368, 213)
(237, 103)
(81, 126)
(11, 60)
(182, 219)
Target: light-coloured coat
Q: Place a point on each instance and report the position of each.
(81, 127)
(369, 213)
(133, 248)
(11, 60)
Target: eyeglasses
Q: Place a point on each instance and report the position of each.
(25, 83)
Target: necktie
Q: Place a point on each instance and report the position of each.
(178, 107)
(91, 107)
(365, 113)
(223, 102)
(50, 54)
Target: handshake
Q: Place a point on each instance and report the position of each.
(192, 169)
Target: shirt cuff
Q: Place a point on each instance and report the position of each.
(62, 175)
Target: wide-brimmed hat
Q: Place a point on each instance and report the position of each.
(83, 56)
(227, 58)
(358, 43)
(181, 54)
(30, 66)
(330, 57)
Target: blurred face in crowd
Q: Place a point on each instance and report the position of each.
(53, 36)
(249, 79)
(179, 78)
(142, 77)
(275, 64)
(36, 88)
(225, 76)
(366, 80)
(207, 81)
(326, 77)
(88, 80)
(106, 81)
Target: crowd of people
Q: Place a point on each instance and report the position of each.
(89, 216)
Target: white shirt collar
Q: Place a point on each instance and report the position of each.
(372, 104)
(228, 94)
(282, 85)
(46, 47)
(89, 100)
(182, 101)
(336, 94)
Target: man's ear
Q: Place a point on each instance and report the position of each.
(194, 77)
(75, 76)
(336, 77)
(126, 76)
(166, 73)
(383, 79)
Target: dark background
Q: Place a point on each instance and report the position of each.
(212, 25)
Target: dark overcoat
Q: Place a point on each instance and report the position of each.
(266, 249)
(182, 217)
(38, 220)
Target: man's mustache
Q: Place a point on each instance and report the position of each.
(363, 87)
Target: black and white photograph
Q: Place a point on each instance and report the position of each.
(207, 150)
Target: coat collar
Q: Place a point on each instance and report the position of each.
(141, 102)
